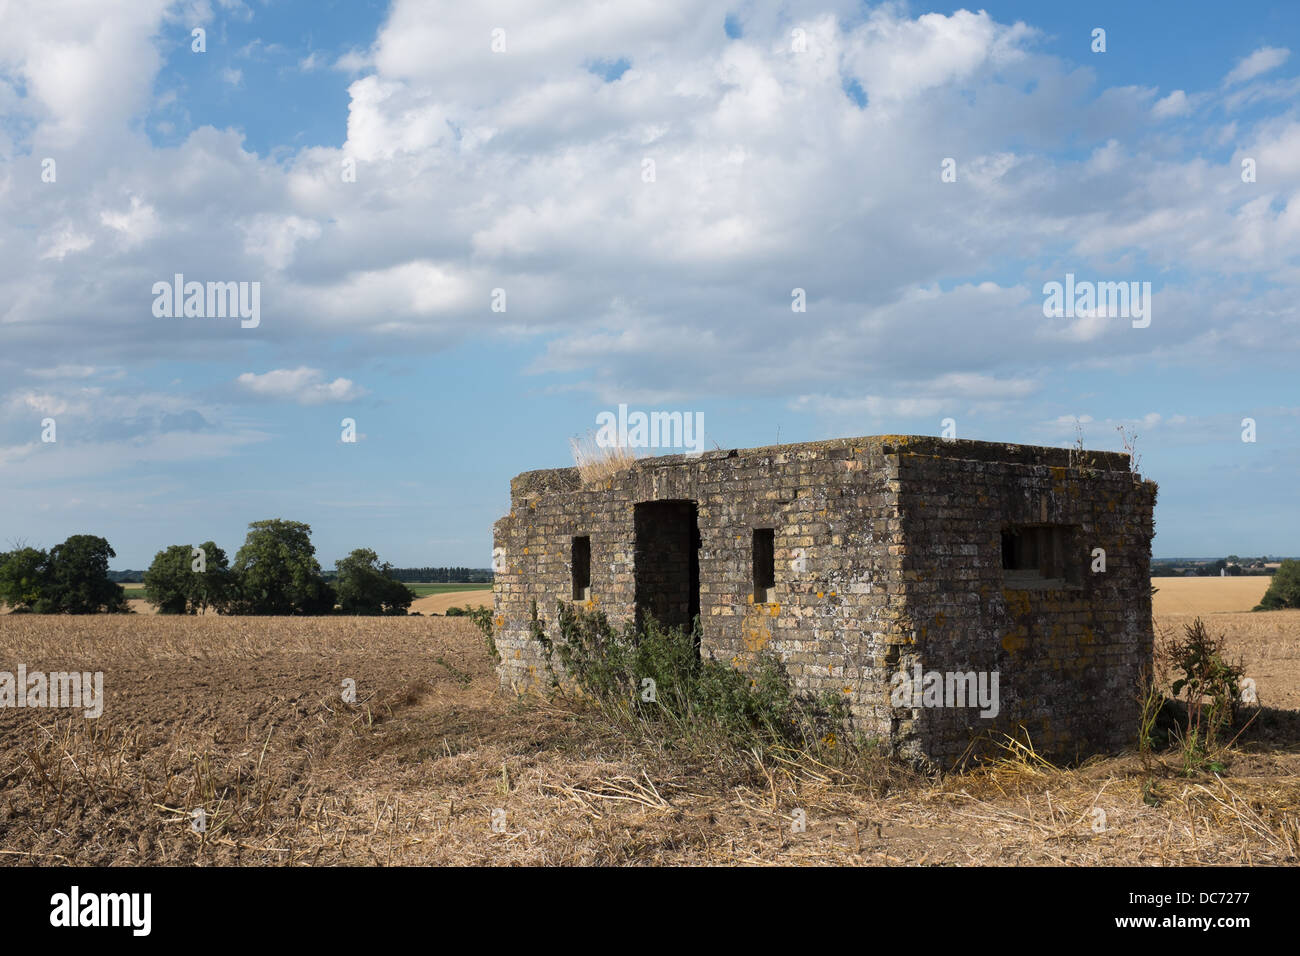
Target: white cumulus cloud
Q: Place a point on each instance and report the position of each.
(305, 386)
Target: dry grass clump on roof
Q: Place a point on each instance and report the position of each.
(597, 462)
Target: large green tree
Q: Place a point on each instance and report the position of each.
(1284, 590)
(277, 572)
(22, 577)
(179, 581)
(167, 582)
(76, 579)
(365, 586)
(214, 585)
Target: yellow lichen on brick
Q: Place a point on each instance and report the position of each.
(1017, 602)
(1014, 641)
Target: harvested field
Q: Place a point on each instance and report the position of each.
(1268, 642)
(242, 717)
(439, 603)
(1207, 595)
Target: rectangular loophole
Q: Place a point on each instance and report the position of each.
(582, 568)
(764, 565)
(1040, 556)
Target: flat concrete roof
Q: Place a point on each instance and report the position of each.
(906, 445)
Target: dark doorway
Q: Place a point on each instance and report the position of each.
(668, 562)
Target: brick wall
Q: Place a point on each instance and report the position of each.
(888, 555)
(1068, 656)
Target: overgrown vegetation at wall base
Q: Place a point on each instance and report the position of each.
(1206, 705)
(654, 677)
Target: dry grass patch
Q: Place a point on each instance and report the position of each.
(243, 718)
(596, 462)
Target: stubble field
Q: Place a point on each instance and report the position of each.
(243, 718)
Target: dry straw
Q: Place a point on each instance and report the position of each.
(597, 462)
(243, 718)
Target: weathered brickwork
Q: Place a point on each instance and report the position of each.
(889, 554)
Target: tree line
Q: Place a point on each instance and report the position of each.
(1232, 566)
(275, 572)
(455, 575)
(442, 575)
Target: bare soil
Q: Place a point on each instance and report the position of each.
(244, 719)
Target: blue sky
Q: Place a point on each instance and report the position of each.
(523, 169)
